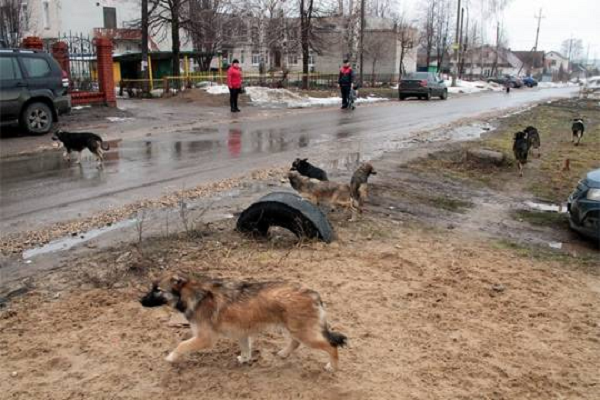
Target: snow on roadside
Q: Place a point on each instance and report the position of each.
(552, 85)
(287, 98)
(472, 87)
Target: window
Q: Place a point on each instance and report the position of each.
(293, 59)
(9, 69)
(110, 17)
(242, 57)
(311, 59)
(36, 67)
(24, 13)
(46, 11)
(256, 58)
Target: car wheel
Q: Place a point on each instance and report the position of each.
(444, 95)
(402, 97)
(37, 118)
(427, 96)
(513, 85)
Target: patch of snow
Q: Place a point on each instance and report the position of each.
(552, 85)
(119, 119)
(287, 98)
(555, 245)
(546, 207)
(468, 87)
(81, 107)
(218, 89)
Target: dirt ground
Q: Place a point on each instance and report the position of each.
(446, 288)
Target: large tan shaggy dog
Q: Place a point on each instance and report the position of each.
(240, 310)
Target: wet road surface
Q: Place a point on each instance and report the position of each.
(43, 188)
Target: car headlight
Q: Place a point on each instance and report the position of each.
(593, 194)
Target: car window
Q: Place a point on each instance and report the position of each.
(36, 67)
(417, 75)
(9, 68)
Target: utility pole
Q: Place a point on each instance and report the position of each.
(145, 45)
(456, 46)
(362, 38)
(460, 39)
(537, 33)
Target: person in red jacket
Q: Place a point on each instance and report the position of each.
(345, 81)
(234, 83)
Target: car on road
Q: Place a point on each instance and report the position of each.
(529, 81)
(584, 206)
(33, 90)
(423, 85)
(513, 80)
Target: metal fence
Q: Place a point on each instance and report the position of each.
(83, 67)
(295, 80)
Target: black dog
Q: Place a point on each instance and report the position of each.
(533, 138)
(577, 128)
(521, 149)
(307, 169)
(79, 141)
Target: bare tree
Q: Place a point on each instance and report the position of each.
(407, 35)
(14, 21)
(211, 25)
(572, 49)
(376, 45)
(428, 30)
(442, 34)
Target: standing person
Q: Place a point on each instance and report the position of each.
(345, 81)
(234, 83)
(507, 85)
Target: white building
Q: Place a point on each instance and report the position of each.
(51, 19)
(554, 62)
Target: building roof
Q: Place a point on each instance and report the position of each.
(533, 59)
(556, 53)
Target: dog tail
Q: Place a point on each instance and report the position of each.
(103, 143)
(334, 338)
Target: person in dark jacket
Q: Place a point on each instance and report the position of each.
(345, 81)
(234, 83)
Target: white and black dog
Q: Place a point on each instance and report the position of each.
(577, 128)
(79, 141)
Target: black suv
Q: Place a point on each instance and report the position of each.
(33, 90)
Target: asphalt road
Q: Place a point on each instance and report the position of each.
(42, 188)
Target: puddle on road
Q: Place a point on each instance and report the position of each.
(68, 242)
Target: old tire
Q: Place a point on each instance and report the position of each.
(286, 210)
(37, 118)
(428, 96)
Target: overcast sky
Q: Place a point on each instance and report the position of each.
(563, 19)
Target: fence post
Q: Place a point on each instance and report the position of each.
(106, 79)
(32, 43)
(60, 52)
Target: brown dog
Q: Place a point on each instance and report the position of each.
(318, 192)
(240, 310)
(358, 185)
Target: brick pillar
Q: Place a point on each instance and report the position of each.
(32, 43)
(60, 52)
(106, 78)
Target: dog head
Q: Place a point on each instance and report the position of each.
(368, 168)
(165, 291)
(580, 120)
(299, 164)
(58, 135)
(296, 180)
(520, 136)
(530, 129)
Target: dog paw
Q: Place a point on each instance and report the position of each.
(329, 368)
(172, 357)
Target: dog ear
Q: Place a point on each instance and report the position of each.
(305, 159)
(177, 282)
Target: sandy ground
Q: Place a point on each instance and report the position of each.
(428, 314)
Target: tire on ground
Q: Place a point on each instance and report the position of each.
(286, 210)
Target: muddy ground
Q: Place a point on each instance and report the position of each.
(446, 288)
